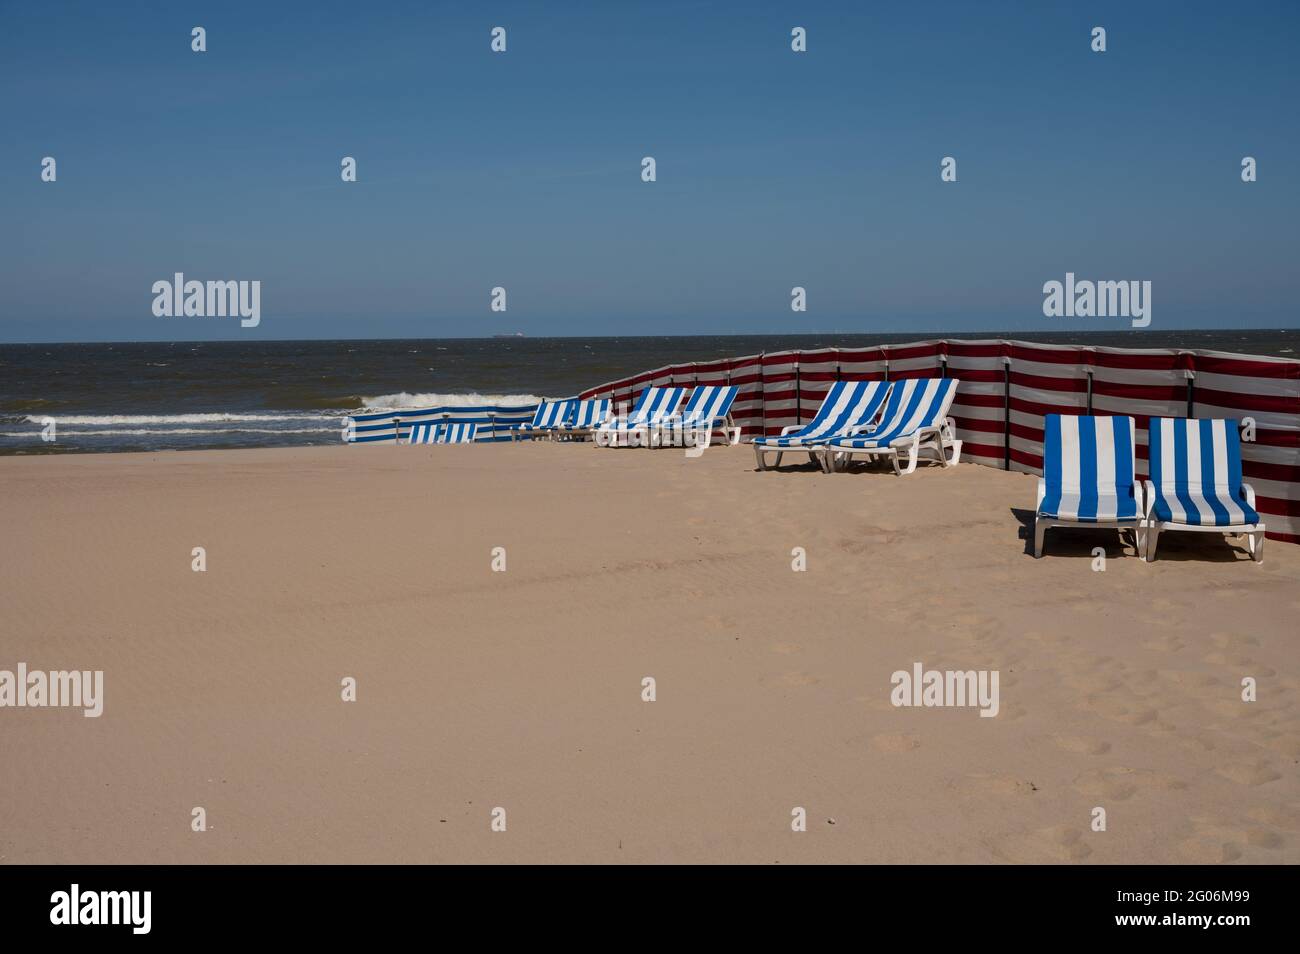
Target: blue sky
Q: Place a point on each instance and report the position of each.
(522, 169)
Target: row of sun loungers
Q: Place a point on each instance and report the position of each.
(1089, 463)
(564, 419)
(874, 419)
(1089, 480)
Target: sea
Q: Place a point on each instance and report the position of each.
(186, 395)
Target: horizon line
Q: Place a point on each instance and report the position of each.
(921, 335)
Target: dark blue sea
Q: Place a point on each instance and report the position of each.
(160, 396)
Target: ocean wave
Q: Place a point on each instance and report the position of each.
(107, 419)
(404, 400)
(144, 431)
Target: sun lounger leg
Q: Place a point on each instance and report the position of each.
(1040, 529)
(1153, 534)
(912, 451)
(1256, 545)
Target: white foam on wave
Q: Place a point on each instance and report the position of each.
(404, 400)
(108, 419)
(143, 431)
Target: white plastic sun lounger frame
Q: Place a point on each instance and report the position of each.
(616, 433)
(813, 446)
(938, 441)
(1254, 532)
(697, 433)
(1135, 523)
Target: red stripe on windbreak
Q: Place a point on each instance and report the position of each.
(1282, 473)
(1042, 410)
(957, 349)
(1286, 537)
(1285, 370)
(1027, 433)
(1278, 507)
(978, 424)
(982, 450)
(975, 375)
(1140, 392)
(1142, 362)
(918, 351)
(1280, 403)
(1273, 437)
(854, 356)
(1046, 383)
(1030, 353)
(1026, 458)
(974, 399)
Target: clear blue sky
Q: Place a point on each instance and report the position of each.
(523, 170)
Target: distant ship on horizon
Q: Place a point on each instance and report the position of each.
(511, 334)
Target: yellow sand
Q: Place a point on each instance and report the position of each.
(523, 690)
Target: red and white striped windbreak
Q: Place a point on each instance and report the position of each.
(1008, 387)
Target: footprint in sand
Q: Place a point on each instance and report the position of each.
(1209, 848)
(1224, 640)
(1082, 746)
(1286, 743)
(1189, 680)
(1286, 818)
(792, 680)
(1058, 843)
(1121, 711)
(895, 742)
(1120, 784)
(1248, 773)
(1002, 785)
(1262, 838)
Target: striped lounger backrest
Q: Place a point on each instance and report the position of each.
(847, 404)
(708, 404)
(655, 404)
(553, 413)
(914, 403)
(462, 433)
(591, 413)
(1196, 467)
(423, 434)
(1088, 467)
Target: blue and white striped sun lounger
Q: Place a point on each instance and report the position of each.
(653, 407)
(1196, 482)
(1088, 476)
(423, 434)
(586, 417)
(915, 420)
(463, 433)
(550, 415)
(847, 405)
(708, 409)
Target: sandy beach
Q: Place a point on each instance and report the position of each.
(522, 689)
